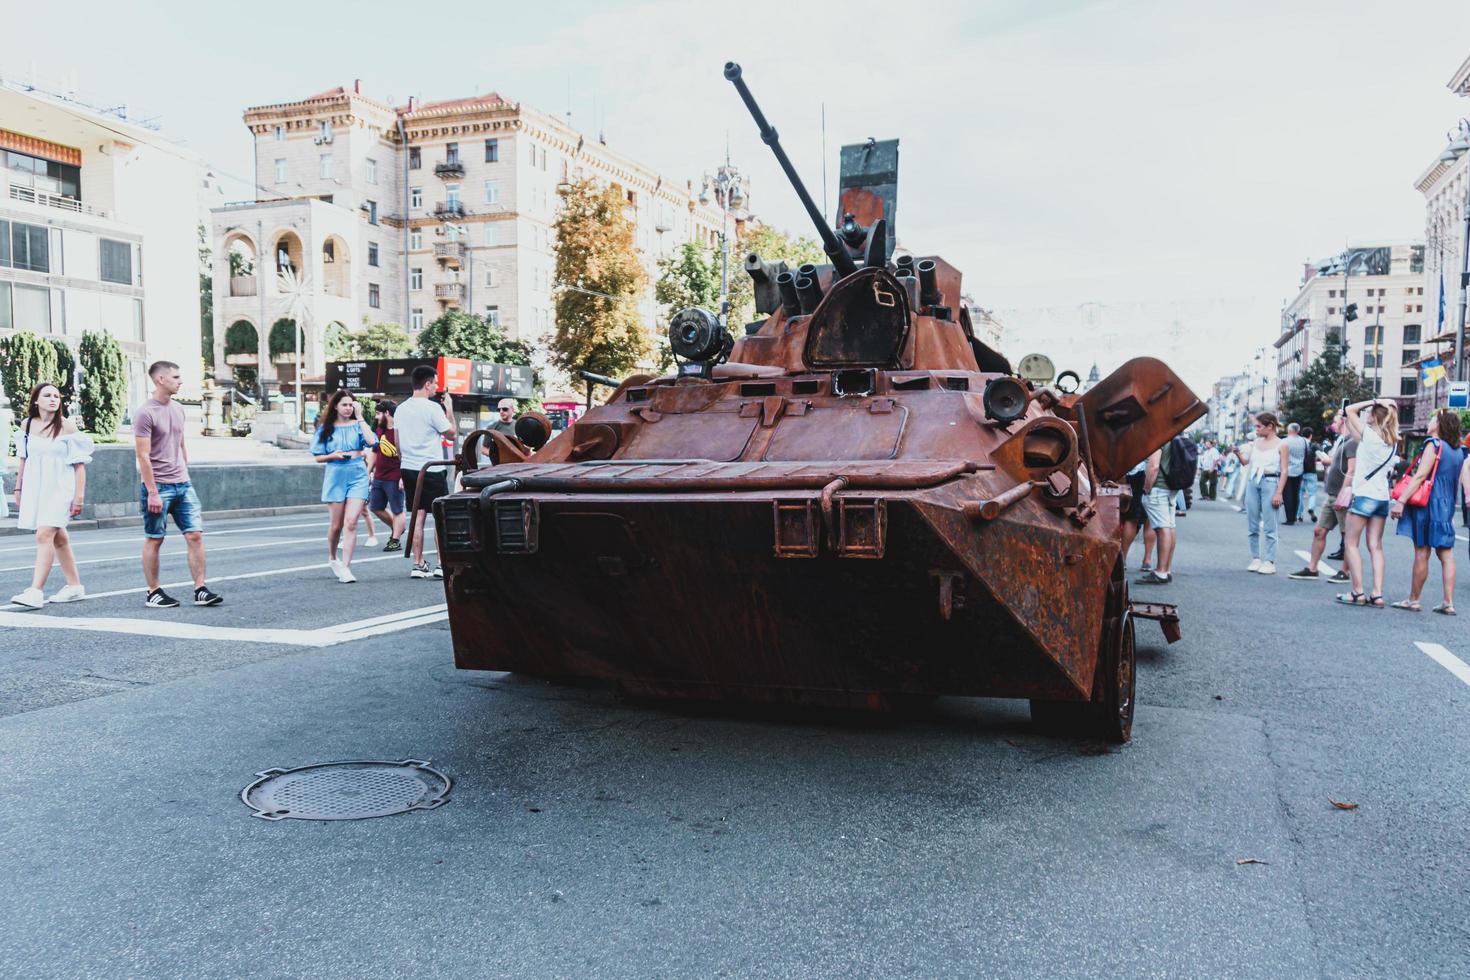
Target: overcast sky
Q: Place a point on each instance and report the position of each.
(1115, 178)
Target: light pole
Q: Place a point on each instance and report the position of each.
(1460, 142)
(728, 187)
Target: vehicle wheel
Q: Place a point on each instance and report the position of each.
(1112, 705)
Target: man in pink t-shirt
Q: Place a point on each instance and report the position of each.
(158, 440)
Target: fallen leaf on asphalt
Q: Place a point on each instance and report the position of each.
(1219, 697)
(1249, 861)
(1342, 806)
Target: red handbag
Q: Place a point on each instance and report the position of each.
(1421, 496)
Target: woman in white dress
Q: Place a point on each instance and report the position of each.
(49, 490)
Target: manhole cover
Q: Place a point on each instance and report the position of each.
(346, 790)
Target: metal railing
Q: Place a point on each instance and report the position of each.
(30, 195)
(449, 168)
(449, 251)
(449, 208)
(449, 291)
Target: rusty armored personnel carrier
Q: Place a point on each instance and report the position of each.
(854, 503)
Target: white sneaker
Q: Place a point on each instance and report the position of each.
(30, 598)
(372, 541)
(438, 571)
(338, 569)
(1254, 566)
(1267, 568)
(345, 575)
(69, 593)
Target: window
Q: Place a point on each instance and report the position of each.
(4, 305)
(1418, 308)
(1411, 354)
(451, 196)
(415, 240)
(1411, 333)
(492, 315)
(372, 253)
(25, 246)
(416, 320)
(32, 305)
(374, 299)
(1372, 334)
(543, 158)
(415, 158)
(1409, 384)
(280, 171)
(1420, 291)
(372, 210)
(492, 192)
(1331, 310)
(117, 261)
(1383, 292)
(415, 279)
(416, 197)
(492, 151)
(1372, 359)
(489, 277)
(326, 167)
(490, 233)
(280, 134)
(372, 171)
(451, 153)
(325, 130)
(1409, 290)
(1331, 294)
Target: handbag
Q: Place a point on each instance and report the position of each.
(1421, 495)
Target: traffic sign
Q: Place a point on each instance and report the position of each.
(1460, 394)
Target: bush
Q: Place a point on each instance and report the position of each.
(104, 384)
(284, 337)
(66, 368)
(25, 361)
(241, 338)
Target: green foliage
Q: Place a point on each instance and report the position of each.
(245, 378)
(66, 368)
(598, 281)
(25, 361)
(241, 338)
(206, 304)
(285, 336)
(1320, 389)
(771, 245)
(337, 342)
(460, 334)
(104, 384)
(240, 264)
(381, 340)
(689, 277)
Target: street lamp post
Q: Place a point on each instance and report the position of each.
(728, 188)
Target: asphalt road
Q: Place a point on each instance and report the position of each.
(590, 837)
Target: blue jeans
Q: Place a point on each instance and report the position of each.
(1309, 495)
(1260, 517)
(180, 500)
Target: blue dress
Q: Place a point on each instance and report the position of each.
(1433, 526)
(345, 478)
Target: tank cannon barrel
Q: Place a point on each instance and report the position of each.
(835, 250)
(601, 379)
(929, 294)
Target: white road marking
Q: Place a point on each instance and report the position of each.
(1447, 660)
(1462, 537)
(176, 554)
(323, 637)
(138, 537)
(1306, 556)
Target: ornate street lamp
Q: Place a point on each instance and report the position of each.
(727, 188)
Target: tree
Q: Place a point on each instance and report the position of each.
(689, 277)
(66, 368)
(460, 334)
(25, 361)
(1320, 389)
(381, 340)
(206, 304)
(284, 337)
(104, 384)
(771, 245)
(598, 281)
(337, 342)
(240, 265)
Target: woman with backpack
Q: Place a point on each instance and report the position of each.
(1264, 465)
(1430, 525)
(1378, 439)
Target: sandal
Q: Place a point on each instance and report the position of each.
(1376, 601)
(1408, 605)
(1445, 609)
(1352, 598)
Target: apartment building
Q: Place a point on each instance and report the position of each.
(383, 213)
(98, 231)
(1386, 284)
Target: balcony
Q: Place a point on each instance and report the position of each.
(449, 292)
(242, 285)
(449, 168)
(451, 254)
(449, 209)
(30, 195)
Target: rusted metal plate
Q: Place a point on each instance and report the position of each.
(1134, 411)
(847, 430)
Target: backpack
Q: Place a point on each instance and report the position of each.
(1180, 463)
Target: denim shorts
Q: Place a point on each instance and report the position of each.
(180, 500)
(386, 495)
(1368, 507)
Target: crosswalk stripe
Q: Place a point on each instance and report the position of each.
(1447, 660)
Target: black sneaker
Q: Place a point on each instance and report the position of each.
(204, 597)
(1335, 556)
(1305, 574)
(1154, 578)
(159, 599)
(1341, 576)
(393, 545)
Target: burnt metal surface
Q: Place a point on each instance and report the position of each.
(861, 505)
(346, 790)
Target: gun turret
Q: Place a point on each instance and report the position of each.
(841, 261)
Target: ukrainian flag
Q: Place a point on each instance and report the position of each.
(1433, 372)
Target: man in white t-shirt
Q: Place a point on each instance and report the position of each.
(422, 426)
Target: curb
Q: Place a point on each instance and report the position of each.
(11, 530)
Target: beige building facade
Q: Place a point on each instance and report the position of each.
(383, 213)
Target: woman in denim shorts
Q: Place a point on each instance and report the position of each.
(1375, 423)
(342, 440)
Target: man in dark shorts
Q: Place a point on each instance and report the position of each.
(421, 426)
(385, 493)
(158, 441)
(1133, 516)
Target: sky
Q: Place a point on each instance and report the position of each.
(1114, 178)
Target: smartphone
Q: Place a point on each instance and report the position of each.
(1345, 404)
